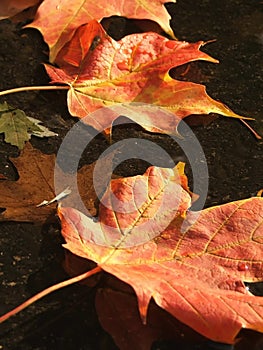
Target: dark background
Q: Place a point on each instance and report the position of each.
(31, 256)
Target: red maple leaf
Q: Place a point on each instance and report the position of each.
(103, 72)
(57, 20)
(192, 264)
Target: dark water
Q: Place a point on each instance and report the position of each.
(31, 257)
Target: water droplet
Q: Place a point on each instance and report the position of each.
(242, 267)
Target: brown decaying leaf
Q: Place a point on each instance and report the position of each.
(103, 72)
(195, 273)
(57, 20)
(36, 183)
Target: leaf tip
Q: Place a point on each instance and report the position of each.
(143, 303)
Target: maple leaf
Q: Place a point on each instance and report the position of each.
(134, 69)
(9, 8)
(193, 265)
(18, 127)
(57, 20)
(129, 203)
(127, 330)
(21, 198)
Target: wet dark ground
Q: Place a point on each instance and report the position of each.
(32, 256)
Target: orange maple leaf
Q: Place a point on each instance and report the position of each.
(194, 267)
(57, 20)
(103, 72)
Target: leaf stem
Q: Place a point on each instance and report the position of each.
(48, 291)
(28, 88)
(251, 129)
